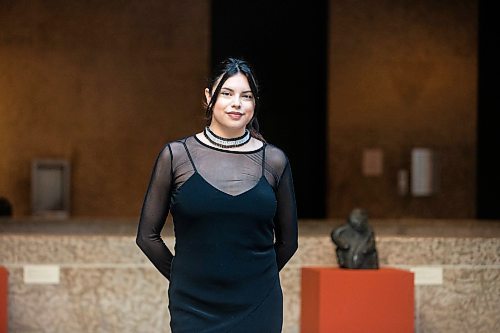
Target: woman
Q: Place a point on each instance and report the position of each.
(232, 200)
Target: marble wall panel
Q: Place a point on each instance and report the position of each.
(438, 251)
(466, 255)
(108, 285)
(290, 283)
(8, 253)
(320, 251)
(315, 251)
(90, 300)
(468, 301)
(47, 249)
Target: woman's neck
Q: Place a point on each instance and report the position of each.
(227, 132)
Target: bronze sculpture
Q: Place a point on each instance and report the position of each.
(355, 242)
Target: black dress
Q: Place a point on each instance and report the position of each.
(235, 226)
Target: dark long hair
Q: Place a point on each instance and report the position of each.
(227, 69)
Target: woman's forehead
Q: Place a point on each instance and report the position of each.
(236, 81)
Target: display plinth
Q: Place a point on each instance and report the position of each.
(4, 281)
(357, 300)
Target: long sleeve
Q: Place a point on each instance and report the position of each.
(154, 213)
(286, 228)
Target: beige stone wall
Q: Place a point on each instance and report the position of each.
(402, 75)
(102, 84)
(108, 285)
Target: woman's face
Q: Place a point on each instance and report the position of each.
(234, 107)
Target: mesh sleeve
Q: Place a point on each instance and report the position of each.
(154, 213)
(286, 228)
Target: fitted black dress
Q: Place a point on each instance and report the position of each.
(235, 227)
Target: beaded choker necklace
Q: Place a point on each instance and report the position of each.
(226, 142)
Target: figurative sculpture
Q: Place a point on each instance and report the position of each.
(355, 242)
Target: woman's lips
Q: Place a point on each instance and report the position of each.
(235, 115)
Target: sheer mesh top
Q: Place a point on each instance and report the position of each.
(232, 172)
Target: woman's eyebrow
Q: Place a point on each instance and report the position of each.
(232, 90)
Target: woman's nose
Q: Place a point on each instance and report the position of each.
(236, 100)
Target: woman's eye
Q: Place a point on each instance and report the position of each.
(225, 93)
(248, 97)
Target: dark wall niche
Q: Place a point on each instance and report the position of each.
(287, 44)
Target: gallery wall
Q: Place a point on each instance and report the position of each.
(103, 84)
(106, 84)
(402, 75)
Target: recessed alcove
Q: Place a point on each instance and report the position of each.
(50, 186)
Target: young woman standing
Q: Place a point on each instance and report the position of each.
(232, 200)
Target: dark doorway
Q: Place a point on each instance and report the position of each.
(488, 129)
(286, 42)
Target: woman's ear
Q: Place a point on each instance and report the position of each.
(207, 95)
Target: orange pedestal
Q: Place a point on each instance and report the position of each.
(341, 300)
(4, 274)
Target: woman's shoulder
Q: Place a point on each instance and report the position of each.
(179, 142)
(174, 147)
(275, 156)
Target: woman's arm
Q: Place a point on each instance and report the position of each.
(285, 221)
(154, 212)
